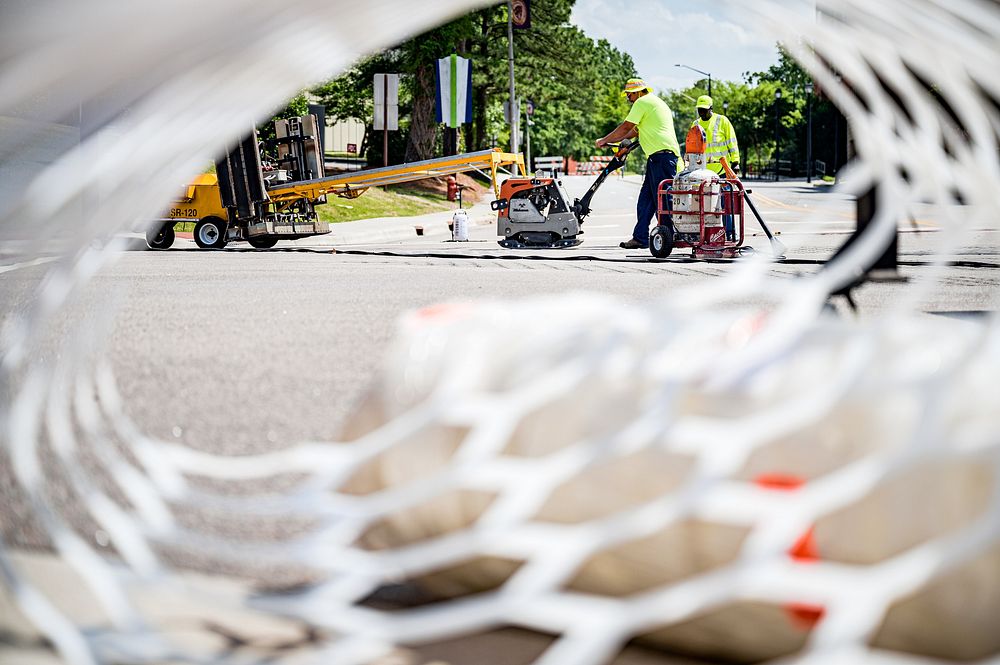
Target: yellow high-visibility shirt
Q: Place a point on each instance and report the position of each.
(720, 140)
(655, 122)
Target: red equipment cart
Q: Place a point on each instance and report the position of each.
(697, 210)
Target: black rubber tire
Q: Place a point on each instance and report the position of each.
(210, 233)
(661, 241)
(263, 242)
(160, 237)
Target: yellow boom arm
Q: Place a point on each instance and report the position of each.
(350, 185)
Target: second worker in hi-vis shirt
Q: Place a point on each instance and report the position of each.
(719, 135)
(720, 141)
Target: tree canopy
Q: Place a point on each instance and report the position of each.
(574, 82)
(763, 121)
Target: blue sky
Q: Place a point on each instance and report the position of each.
(679, 36)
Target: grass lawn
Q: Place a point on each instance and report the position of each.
(397, 201)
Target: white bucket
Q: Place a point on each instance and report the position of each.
(460, 226)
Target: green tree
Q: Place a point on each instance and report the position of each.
(574, 81)
(829, 142)
(351, 96)
(752, 105)
(295, 107)
(749, 107)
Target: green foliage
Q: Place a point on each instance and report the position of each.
(829, 142)
(575, 83)
(787, 72)
(754, 109)
(577, 96)
(297, 106)
(350, 95)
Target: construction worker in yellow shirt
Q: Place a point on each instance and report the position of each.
(651, 120)
(720, 141)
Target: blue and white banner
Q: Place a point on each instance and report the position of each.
(453, 76)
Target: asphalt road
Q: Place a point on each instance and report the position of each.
(241, 350)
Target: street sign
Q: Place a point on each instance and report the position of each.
(386, 102)
(521, 14)
(506, 109)
(386, 109)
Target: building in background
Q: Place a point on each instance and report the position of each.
(344, 136)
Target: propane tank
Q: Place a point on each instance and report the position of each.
(686, 206)
(460, 226)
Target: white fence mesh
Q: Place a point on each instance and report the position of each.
(730, 482)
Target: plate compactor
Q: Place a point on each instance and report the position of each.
(535, 213)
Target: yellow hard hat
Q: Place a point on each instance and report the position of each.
(704, 102)
(636, 85)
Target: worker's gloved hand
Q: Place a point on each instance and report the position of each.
(736, 169)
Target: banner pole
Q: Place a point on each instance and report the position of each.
(453, 111)
(385, 120)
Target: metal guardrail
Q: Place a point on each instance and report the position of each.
(553, 165)
(787, 168)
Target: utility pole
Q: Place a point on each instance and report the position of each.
(527, 142)
(777, 155)
(515, 115)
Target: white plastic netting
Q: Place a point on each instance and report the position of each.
(713, 479)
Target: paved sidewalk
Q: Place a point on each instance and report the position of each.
(434, 226)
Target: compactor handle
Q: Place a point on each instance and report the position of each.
(623, 147)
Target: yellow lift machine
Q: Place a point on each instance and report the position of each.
(264, 202)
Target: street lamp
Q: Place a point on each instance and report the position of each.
(777, 98)
(809, 132)
(703, 74)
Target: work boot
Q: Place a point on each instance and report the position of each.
(631, 243)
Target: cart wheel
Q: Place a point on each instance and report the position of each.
(210, 233)
(661, 241)
(263, 242)
(746, 250)
(160, 237)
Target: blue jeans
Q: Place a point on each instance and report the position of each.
(727, 219)
(659, 167)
